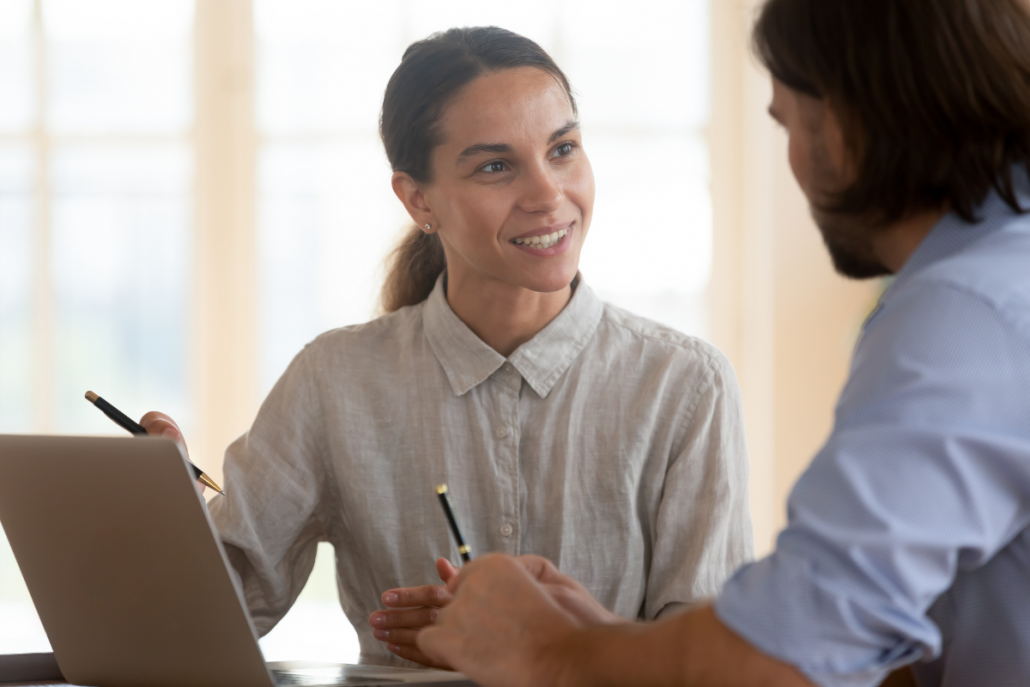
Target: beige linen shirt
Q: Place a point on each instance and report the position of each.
(609, 444)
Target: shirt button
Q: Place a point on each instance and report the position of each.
(507, 529)
(508, 368)
(502, 432)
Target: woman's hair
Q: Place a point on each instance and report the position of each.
(432, 72)
(933, 95)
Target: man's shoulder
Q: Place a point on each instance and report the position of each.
(994, 269)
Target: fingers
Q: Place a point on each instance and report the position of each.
(446, 570)
(412, 653)
(409, 597)
(160, 425)
(402, 636)
(409, 618)
(539, 568)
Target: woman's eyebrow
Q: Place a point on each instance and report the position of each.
(483, 148)
(569, 126)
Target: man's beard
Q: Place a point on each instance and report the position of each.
(848, 238)
(850, 243)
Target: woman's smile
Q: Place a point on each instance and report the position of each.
(545, 241)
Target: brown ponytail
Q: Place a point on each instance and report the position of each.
(431, 73)
(411, 270)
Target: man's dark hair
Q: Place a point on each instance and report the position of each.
(933, 95)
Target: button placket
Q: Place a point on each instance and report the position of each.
(507, 435)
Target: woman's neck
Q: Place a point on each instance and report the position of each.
(502, 315)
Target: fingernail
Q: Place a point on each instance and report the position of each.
(170, 433)
(378, 619)
(394, 647)
(389, 599)
(381, 634)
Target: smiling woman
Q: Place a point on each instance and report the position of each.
(563, 426)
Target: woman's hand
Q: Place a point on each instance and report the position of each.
(411, 609)
(160, 425)
(415, 608)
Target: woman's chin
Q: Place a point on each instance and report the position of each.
(551, 280)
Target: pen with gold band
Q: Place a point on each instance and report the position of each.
(129, 425)
(445, 501)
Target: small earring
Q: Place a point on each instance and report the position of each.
(428, 227)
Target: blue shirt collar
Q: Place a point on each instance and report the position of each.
(952, 234)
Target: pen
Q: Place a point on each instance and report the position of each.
(445, 501)
(126, 423)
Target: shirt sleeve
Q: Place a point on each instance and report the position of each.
(926, 473)
(703, 530)
(269, 520)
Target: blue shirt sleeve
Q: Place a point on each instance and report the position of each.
(926, 474)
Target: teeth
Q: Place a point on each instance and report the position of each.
(543, 242)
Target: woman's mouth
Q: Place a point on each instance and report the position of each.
(542, 242)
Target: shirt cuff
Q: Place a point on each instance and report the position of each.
(776, 605)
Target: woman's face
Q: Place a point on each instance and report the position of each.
(512, 190)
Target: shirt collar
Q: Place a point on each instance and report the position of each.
(541, 361)
(953, 234)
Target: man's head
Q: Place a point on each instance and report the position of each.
(896, 108)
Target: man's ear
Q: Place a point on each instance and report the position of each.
(409, 192)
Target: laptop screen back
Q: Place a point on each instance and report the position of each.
(122, 563)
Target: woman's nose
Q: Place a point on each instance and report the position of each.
(542, 192)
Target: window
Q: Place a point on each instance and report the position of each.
(95, 223)
(99, 183)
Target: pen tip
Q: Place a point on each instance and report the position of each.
(91, 397)
(441, 489)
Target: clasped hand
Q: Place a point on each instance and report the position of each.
(412, 609)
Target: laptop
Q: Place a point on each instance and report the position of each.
(129, 577)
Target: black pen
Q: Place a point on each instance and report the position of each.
(445, 501)
(126, 423)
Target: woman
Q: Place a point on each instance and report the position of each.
(563, 426)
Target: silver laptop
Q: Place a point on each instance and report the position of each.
(129, 577)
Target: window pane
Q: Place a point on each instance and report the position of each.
(15, 65)
(20, 629)
(323, 66)
(16, 401)
(658, 76)
(535, 19)
(327, 218)
(121, 228)
(119, 66)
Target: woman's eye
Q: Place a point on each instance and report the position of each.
(563, 150)
(493, 167)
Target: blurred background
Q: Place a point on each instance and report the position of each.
(190, 190)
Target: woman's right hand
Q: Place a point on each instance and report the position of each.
(160, 425)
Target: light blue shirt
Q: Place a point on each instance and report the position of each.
(908, 534)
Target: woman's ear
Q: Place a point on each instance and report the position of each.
(410, 193)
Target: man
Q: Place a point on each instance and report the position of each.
(907, 542)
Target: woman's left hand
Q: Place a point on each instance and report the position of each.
(410, 610)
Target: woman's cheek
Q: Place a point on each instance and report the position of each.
(580, 188)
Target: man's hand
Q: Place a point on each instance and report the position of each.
(505, 628)
(502, 624)
(160, 425)
(569, 594)
(411, 609)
